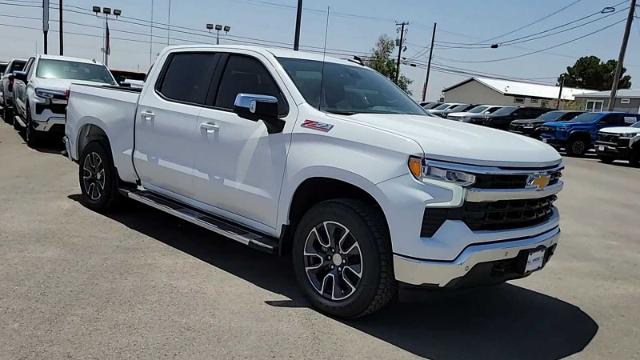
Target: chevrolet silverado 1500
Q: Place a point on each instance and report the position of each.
(325, 159)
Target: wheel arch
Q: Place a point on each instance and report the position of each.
(312, 190)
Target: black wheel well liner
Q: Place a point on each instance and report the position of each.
(580, 135)
(315, 190)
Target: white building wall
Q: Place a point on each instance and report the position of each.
(475, 92)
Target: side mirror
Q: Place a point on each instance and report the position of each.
(20, 75)
(259, 107)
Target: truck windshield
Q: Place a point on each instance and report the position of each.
(478, 109)
(636, 125)
(551, 116)
(347, 89)
(587, 117)
(505, 110)
(62, 69)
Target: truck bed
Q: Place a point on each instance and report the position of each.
(113, 110)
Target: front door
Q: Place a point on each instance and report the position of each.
(239, 166)
(167, 123)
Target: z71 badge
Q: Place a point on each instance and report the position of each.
(315, 125)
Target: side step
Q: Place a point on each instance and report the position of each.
(220, 226)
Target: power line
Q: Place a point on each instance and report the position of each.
(539, 50)
(535, 21)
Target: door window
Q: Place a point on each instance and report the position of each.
(594, 105)
(611, 120)
(187, 77)
(244, 74)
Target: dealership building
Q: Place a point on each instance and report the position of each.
(481, 90)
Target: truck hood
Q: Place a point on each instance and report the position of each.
(621, 130)
(454, 141)
(528, 121)
(461, 114)
(569, 124)
(61, 84)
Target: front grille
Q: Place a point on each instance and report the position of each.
(55, 108)
(494, 181)
(497, 215)
(612, 139)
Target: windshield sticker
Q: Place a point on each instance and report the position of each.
(316, 125)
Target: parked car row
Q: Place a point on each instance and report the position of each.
(612, 134)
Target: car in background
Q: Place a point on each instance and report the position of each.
(442, 109)
(6, 88)
(578, 135)
(501, 119)
(531, 127)
(41, 92)
(621, 142)
(431, 105)
(464, 116)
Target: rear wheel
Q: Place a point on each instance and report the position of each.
(98, 178)
(31, 136)
(577, 147)
(342, 258)
(7, 114)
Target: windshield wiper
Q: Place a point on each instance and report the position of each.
(341, 112)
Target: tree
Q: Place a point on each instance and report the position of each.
(589, 72)
(382, 61)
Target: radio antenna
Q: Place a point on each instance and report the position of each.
(324, 55)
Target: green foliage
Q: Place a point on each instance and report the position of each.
(589, 72)
(382, 60)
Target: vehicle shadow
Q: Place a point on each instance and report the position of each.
(500, 322)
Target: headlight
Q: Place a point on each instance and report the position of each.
(562, 128)
(421, 169)
(628, 135)
(48, 94)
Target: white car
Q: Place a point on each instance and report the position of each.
(478, 110)
(40, 92)
(442, 109)
(620, 142)
(325, 159)
(6, 88)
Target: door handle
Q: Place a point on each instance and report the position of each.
(147, 115)
(210, 127)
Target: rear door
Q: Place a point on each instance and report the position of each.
(166, 123)
(239, 165)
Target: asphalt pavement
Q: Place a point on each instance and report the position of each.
(138, 283)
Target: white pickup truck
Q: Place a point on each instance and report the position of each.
(324, 159)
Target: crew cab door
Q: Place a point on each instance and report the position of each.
(239, 165)
(166, 127)
(609, 120)
(20, 88)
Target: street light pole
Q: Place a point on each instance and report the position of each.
(426, 80)
(45, 23)
(560, 92)
(61, 32)
(400, 45)
(623, 50)
(296, 40)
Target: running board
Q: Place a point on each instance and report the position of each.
(17, 119)
(207, 221)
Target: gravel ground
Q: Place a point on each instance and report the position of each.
(141, 284)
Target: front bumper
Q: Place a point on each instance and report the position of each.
(612, 150)
(478, 259)
(54, 124)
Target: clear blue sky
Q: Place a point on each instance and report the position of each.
(273, 20)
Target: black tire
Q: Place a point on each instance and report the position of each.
(606, 159)
(16, 124)
(7, 114)
(577, 147)
(634, 156)
(98, 178)
(375, 287)
(31, 136)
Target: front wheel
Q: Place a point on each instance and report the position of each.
(342, 258)
(577, 147)
(7, 114)
(98, 179)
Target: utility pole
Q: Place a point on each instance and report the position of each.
(151, 36)
(426, 80)
(296, 40)
(45, 23)
(61, 32)
(400, 46)
(560, 92)
(168, 25)
(623, 50)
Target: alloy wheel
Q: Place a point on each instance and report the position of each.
(578, 147)
(333, 260)
(93, 176)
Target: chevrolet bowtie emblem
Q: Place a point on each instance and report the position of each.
(538, 181)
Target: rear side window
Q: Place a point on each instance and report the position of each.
(244, 74)
(187, 77)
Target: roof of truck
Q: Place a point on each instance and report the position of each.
(69, 58)
(277, 52)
